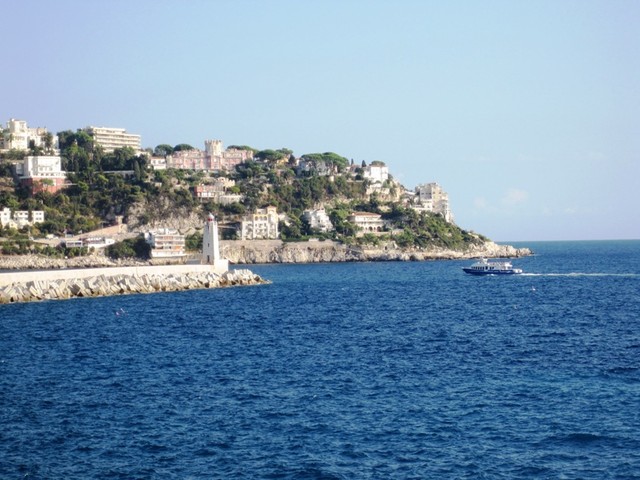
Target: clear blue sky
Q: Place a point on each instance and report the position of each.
(527, 113)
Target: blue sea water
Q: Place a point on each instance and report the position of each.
(337, 371)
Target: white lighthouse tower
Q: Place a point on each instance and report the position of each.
(211, 246)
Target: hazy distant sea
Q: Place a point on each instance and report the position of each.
(371, 370)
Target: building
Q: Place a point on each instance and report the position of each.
(216, 191)
(227, 160)
(166, 244)
(158, 163)
(431, 197)
(377, 172)
(367, 222)
(41, 173)
(318, 220)
(17, 136)
(111, 138)
(263, 224)
(5, 216)
(314, 167)
(208, 192)
(229, 198)
(20, 218)
(212, 159)
(188, 160)
(96, 243)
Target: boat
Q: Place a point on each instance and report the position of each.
(486, 267)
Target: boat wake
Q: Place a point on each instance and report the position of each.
(580, 274)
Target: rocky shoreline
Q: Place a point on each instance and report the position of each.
(103, 285)
(275, 251)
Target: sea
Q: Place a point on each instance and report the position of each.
(382, 370)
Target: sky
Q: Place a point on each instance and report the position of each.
(526, 113)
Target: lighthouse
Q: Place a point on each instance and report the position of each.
(211, 246)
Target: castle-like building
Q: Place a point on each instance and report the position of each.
(213, 158)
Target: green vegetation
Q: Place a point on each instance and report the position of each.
(106, 185)
(329, 159)
(129, 248)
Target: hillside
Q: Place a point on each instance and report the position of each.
(122, 185)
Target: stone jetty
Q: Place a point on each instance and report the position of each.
(69, 286)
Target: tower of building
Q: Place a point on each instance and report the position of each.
(213, 148)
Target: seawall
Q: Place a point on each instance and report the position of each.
(27, 286)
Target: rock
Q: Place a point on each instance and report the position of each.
(123, 284)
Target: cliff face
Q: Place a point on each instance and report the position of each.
(275, 251)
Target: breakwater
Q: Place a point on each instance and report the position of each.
(65, 284)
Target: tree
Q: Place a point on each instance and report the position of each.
(35, 150)
(130, 248)
(182, 146)
(163, 150)
(47, 139)
(330, 158)
(271, 156)
(242, 147)
(193, 242)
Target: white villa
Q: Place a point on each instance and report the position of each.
(17, 135)
(318, 219)
(20, 218)
(367, 222)
(377, 172)
(263, 224)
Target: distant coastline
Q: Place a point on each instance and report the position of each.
(276, 251)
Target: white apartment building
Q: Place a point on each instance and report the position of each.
(17, 135)
(20, 218)
(377, 172)
(318, 219)
(431, 197)
(263, 224)
(165, 243)
(111, 138)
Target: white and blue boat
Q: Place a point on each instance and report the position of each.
(485, 267)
